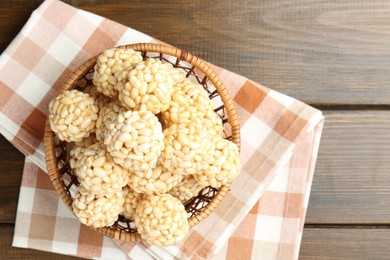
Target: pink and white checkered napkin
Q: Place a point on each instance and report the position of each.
(280, 138)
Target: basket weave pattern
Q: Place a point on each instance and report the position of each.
(199, 207)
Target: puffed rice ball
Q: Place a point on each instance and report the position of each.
(212, 123)
(161, 220)
(100, 99)
(97, 172)
(189, 103)
(132, 199)
(107, 116)
(73, 115)
(109, 65)
(87, 141)
(148, 85)
(156, 180)
(135, 140)
(97, 211)
(186, 148)
(188, 188)
(78, 148)
(224, 166)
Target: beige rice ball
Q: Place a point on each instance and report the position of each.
(110, 65)
(156, 180)
(107, 117)
(161, 220)
(97, 211)
(78, 148)
(90, 140)
(188, 188)
(132, 199)
(189, 103)
(97, 172)
(100, 99)
(73, 115)
(135, 140)
(186, 148)
(148, 85)
(211, 123)
(224, 164)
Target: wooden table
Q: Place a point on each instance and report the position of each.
(334, 55)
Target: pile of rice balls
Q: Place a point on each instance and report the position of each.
(144, 140)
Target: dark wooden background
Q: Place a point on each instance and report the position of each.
(334, 55)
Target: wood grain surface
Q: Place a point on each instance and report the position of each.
(300, 47)
(352, 180)
(332, 54)
(11, 168)
(346, 243)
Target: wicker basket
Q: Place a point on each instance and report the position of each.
(197, 70)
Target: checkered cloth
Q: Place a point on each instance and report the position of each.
(280, 139)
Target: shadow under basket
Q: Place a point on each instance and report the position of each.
(199, 207)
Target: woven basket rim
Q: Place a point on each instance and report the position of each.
(49, 136)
